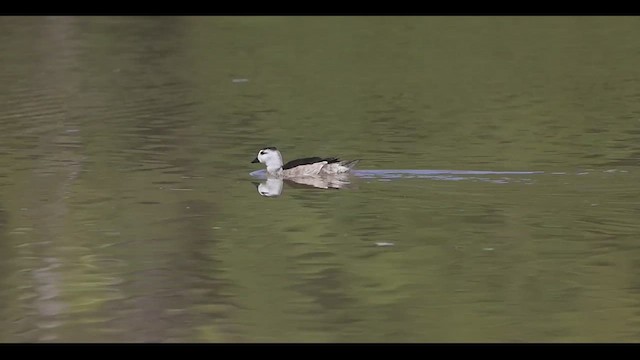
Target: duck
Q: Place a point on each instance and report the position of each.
(310, 166)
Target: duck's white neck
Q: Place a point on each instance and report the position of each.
(274, 163)
(274, 170)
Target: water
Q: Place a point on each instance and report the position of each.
(496, 200)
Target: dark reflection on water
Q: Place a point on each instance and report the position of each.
(129, 212)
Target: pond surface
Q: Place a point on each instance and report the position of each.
(497, 198)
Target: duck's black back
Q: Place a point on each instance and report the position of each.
(307, 161)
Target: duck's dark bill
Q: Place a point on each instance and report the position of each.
(255, 160)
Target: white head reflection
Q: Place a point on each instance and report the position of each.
(270, 188)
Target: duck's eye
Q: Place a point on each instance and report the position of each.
(262, 152)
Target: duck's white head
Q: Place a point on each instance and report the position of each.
(271, 157)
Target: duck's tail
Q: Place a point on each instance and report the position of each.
(349, 164)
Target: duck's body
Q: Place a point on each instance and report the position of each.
(311, 166)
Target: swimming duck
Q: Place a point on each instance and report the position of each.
(311, 166)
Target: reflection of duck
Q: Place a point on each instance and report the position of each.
(273, 185)
(312, 166)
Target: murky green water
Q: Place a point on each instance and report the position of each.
(127, 212)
